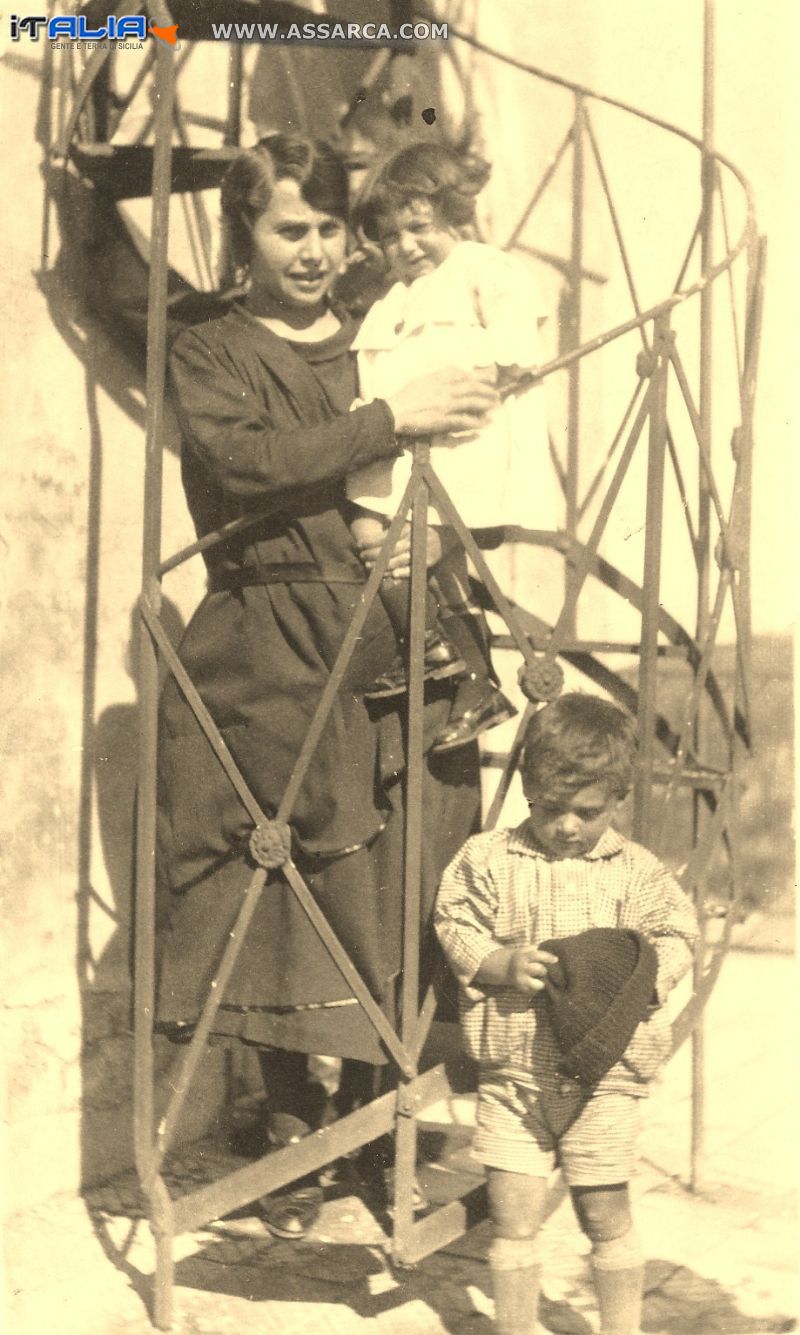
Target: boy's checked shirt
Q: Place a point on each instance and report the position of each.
(502, 890)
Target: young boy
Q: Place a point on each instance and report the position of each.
(555, 1028)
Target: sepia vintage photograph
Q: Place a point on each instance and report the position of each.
(399, 551)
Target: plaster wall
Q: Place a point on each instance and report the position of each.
(72, 512)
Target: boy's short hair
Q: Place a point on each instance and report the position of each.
(576, 741)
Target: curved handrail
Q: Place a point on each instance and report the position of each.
(582, 91)
(99, 57)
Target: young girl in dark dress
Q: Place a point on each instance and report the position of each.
(263, 397)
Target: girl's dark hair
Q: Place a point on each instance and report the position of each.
(576, 741)
(451, 180)
(251, 178)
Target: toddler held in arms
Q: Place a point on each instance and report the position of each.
(455, 302)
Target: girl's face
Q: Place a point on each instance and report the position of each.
(297, 253)
(415, 238)
(571, 828)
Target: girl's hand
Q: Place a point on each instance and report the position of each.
(400, 561)
(443, 402)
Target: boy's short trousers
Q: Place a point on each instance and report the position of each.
(592, 1140)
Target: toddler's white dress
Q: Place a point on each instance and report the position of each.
(480, 307)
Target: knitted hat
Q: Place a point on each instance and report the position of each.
(598, 992)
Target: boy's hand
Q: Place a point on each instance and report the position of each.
(527, 968)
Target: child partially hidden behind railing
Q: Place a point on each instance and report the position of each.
(456, 302)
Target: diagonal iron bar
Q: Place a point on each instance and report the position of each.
(446, 508)
(550, 171)
(669, 626)
(281, 1166)
(687, 257)
(202, 714)
(684, 1023)
(713, 491)
(684, 495)
(398, 1049)
(424, 1020)
(89, 73)
(623, 252)
(705, 459)
(196, 1048)
(505, 608)
(690, 713)
(612, 449)
(589, 550)
(117, 114)
(147, 125)
(731, 292)
(560, 471)
(214, 539)
(216, 993)
(509, 769)
(345, 653)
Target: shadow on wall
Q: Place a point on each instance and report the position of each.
(68, 287)
(110, 752)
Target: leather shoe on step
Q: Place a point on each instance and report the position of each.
(490, 711)
(291, 1214)
(441, 661)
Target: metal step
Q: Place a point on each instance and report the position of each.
(125, 171)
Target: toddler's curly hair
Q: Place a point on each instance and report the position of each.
(450, 179)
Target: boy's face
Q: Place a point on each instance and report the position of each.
(571, 826)
(414, 239)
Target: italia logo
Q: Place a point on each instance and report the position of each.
(168, 35)
(75, 28)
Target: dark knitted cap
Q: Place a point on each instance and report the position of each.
(598, 993)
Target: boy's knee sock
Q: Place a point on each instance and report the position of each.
(514, 1265)
(618, 1276)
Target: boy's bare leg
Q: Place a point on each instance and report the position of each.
(604, 1214)
(517, 1207)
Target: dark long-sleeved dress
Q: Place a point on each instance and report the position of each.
(265, 424)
